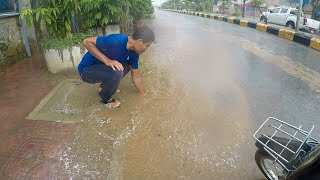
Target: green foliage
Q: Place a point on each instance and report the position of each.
(140, 8)
(57, 43)
(55, 15)
(257, 3)
(236, 14)
(195, 5)
(99, 13)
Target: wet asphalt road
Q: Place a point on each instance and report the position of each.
(279, 78)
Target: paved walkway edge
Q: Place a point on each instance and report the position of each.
(34, 113)
(283, 33)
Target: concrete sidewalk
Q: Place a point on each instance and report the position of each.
(29, 149)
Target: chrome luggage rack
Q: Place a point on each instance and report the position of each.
(273, 130)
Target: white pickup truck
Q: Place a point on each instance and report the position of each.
(313, 25)
(285, 16)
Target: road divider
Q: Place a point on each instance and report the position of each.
(244, 23)
(252, 25)
(286, 34)
(236, 21)
(303, 39)
(273, 30)
(225, 18)
(315, 43)
(230, 20)
(262, 27)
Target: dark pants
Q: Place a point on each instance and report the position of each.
(109, 79)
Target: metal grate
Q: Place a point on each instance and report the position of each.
(289, 156)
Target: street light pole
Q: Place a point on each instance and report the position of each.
(299, 15)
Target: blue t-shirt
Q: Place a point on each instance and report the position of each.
(113, 47)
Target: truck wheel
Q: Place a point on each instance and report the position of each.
(290, 24)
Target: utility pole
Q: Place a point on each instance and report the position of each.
(24, 31)
(243, 8)
(174, 4)
(299, 15)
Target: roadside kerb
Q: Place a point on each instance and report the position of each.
(230, 20)
(244, 23)
(283, 33)
(315, 43)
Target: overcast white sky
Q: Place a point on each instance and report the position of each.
(158, 2)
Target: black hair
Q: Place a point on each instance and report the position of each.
(144, 33)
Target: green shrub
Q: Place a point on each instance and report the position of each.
(99, 13)
(58, 43)
(54, 15)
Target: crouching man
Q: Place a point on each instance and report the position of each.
(110, 58)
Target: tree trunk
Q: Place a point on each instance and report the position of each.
(314, 3)
(265, 18)
(313, 12)
(127, 18)
(124, 28)
(223, 8)
(104, 32)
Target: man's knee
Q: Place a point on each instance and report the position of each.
(118, 74)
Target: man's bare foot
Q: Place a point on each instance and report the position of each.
(111, 103)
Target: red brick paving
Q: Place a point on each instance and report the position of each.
(29, 149)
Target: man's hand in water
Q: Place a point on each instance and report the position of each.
(114, 65)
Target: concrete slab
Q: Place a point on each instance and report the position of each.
(69, 101)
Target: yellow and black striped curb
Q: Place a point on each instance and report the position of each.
(284, 33)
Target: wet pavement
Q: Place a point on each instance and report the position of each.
(209, 85)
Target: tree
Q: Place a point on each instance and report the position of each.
(54, 15)
(100, 13)
(257, 4)
(207, 5)
(315, 7)
(168, 4)
(223, 5)
(140, 8)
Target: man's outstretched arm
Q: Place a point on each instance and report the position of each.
(136, 80)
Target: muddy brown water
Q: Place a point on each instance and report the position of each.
(184, 127)
(196, 119)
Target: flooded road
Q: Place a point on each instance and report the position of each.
(209, 85)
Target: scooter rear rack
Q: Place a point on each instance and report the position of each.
(285, 153)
